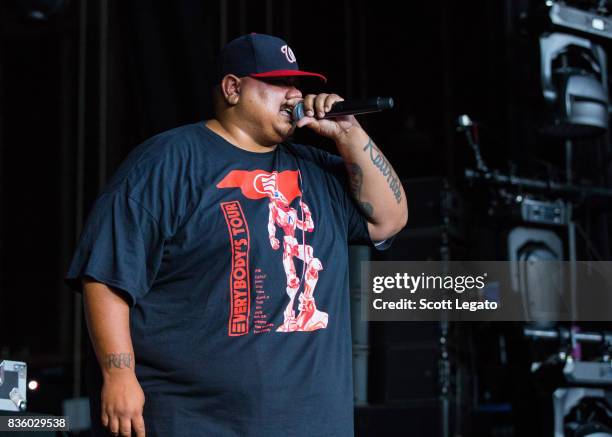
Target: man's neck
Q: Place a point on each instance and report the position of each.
(236, 136)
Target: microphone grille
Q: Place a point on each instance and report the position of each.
(385, 102)
(298, 111)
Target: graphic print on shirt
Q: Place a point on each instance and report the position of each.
(240, 290)
(281, 189)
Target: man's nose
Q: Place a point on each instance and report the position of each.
(294, 93)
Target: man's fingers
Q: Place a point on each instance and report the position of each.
(309, 105)
(330, 100)
(113, 425)
(319, 105)
(315, 108)
(294, 101)
(138, 426)
(125, 427)
(104, 419)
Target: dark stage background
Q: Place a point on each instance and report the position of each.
(83, 82)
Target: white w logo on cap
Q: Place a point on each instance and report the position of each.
(288, 53)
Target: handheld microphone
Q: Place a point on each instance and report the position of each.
(349, 107)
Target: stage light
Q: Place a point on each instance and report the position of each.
(588, 17)
(536, 280)
(575, 86)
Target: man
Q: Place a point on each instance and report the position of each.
(189, 292)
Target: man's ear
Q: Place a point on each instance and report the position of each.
(230, 89)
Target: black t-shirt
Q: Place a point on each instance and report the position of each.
(210, 244)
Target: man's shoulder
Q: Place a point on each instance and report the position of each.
(181, 136)
(180, 143)
(176, 151)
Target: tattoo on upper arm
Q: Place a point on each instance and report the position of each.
(119, 361)
(385, 168)
(356, 180)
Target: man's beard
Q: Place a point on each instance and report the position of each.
(288, 135)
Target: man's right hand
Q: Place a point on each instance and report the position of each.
(122, 403)
(108, 320)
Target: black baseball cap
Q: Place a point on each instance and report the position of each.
(261, 56)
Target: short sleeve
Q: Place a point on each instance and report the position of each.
(120, 246)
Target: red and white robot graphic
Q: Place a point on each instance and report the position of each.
(281, 189)
(286, 218)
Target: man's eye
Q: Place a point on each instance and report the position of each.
(284, 82)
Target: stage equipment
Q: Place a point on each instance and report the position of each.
(13, 386)
(412, 365)
(590, 18)
(575, 86)
(466, 125)
(582, 390)
(550, 187)
(549, 208)
(544, 212)
(538, 201)
(538, 283)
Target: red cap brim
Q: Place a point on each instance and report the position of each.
(289, 73)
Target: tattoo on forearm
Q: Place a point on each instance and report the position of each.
(119, 361)
(385, 168)
(356, 180)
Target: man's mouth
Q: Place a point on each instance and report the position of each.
(287, 111)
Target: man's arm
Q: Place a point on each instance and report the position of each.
(374, 184)
(108, 321)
